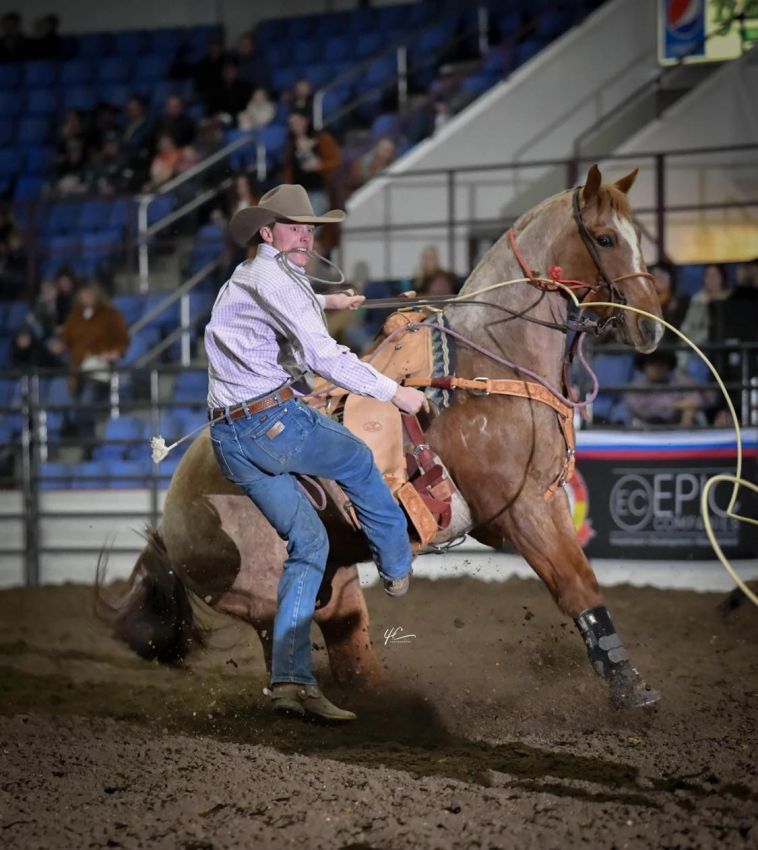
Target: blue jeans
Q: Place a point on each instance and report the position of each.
(258, 453)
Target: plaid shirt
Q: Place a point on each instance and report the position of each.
(267, 328)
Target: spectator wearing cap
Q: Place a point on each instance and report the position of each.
(664, 403)
(231, 96)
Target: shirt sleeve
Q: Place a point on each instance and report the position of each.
(294, 310)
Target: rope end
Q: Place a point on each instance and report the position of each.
(159, 448)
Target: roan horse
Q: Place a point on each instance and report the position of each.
(502, 452)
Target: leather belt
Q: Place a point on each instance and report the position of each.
(247, 408)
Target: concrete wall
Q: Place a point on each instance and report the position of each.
(535, 114)
(721, 112)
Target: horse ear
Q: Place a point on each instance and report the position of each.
(626, 183)
(591, 187)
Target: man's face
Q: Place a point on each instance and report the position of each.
(286, 237)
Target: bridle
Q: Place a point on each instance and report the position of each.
(555, 273)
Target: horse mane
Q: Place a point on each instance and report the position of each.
(609, 197)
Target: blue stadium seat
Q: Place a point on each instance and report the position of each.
(380, 71)
(10, 161)
(129, 474)
(114, 93)
(164, 41)
(10, 102)
(140, 345)
(76, 72)
(93, 45)
(284, 78)
(54, 476)
(33, 131)
(552, 23)
(38, 75)
(385, 124)
(273, 137)
(41, 102)
(93, 216)
(477, 84)
(28, 187)
(612, 370)
(91, 474)
(367, 44)
(338, 48)
(38, 160)
(131, 306)
(12, 314)
(115, 69)
(55, 392)
(7, 131)
(318, 75)
(150, 69)
(526, 51)
(10, 76)
(161, 206)
(167, 320)
(130, 42)
(120, 434)
(80, 97)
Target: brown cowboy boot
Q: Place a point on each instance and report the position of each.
(307, 701)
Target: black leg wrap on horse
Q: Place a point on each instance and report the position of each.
(609, 659)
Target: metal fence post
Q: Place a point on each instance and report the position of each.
(30, 476)
(660, 204)
(402, 76)
(143, 258)
(451, 220)
(155, 420)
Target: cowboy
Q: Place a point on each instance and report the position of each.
(266, 331)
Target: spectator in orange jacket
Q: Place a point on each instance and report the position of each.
(95, 336)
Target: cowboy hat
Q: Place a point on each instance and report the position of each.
(288, 202)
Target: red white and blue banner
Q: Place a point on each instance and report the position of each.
(637, 495)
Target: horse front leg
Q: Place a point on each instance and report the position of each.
(544, 534)
(344, 623)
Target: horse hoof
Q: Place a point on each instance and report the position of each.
(632, 692)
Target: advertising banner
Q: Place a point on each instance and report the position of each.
(705, 30)
(638, 495)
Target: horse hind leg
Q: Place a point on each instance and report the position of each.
(344, 623)
(544, 534)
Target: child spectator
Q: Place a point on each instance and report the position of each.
(259, 112)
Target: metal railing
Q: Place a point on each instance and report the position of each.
(95, 501)
(465, 181)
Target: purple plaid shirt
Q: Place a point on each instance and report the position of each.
(267, 329)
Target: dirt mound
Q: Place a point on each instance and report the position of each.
(492, 731)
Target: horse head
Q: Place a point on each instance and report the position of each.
(601, 244)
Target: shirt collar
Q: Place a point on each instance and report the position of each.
(266, 250)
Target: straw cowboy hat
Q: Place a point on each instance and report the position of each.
(288, 202)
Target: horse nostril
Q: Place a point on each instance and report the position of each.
(648, 329)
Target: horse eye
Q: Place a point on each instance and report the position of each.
(604, 240)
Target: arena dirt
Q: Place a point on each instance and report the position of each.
(491, 731)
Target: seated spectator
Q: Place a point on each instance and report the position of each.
(207, 76)
(13, 267)
(300, 99)
(43, 318)
(244, 195)
(47, 43)
(136, 143)
(311, 158)
(251, 65)
(65, 286)
(746, 282)
(673, 305)
(14, 45)
(28, 351)
(95, 336)
(110, 173)
(259, 112)
(429, 266)
(372, 162)
(696, 324)
(73, 176)
(228, 99)
(439, 283)
(104, 120)
(176, 123)
(667, 405)
(165, 164)
(73, 129)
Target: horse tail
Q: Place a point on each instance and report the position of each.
(154, 617)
